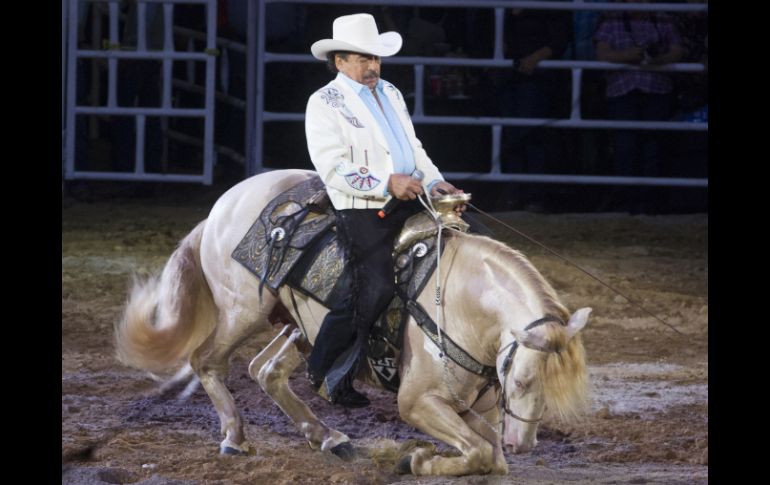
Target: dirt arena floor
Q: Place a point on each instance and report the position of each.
(648, 422)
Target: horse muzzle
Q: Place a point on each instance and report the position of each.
(513, 442)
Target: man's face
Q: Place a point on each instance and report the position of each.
(362, 68)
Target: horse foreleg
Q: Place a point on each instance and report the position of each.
(486, 407)
(434, 416)
(273, 378)
(269, 351)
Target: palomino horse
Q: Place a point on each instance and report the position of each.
(204, 304)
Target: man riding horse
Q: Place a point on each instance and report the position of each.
(363, 145)
(502, 350)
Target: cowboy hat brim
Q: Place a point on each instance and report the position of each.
(390, 43)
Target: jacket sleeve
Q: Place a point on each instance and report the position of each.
(330, 152)
(421, 159)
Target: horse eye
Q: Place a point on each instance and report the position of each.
(519, 384)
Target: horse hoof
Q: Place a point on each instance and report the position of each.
(229, 450)
(344, 450)
(404, 466)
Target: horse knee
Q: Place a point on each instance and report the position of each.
(203, 364)
(481, 458)
(268, 352)
(268, 377)
(275, 373)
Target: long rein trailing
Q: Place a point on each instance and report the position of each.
(566, 260)
(428, 204)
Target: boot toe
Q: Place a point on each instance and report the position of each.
(350, 398)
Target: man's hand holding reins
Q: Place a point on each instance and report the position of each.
(404, 187)
(443, 188)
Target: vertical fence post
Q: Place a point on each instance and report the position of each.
(208, 129)
(260, 91)
(419, 71)
(251, 88)
(577, 82)
(497, 134)
(139, 143)
(498, 54)
(72, 44)
(112, 63)
(499, 17)
(96, 39)
(64, 23)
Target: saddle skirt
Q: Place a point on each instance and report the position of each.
(294, 242)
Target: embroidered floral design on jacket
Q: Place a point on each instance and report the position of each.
(361, 179)
(345, 112)
(336, 100)
(333, 97)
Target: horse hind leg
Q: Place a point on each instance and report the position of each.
(210, 363)
(272, 373)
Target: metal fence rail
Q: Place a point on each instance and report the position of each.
(167, 55)
(256, 77)
(257, 57)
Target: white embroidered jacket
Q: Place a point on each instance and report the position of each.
(348, 148)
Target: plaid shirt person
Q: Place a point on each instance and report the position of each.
(623, 33)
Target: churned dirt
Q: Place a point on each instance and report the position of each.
(648, 422)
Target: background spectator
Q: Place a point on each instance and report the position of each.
(532, 36)
(692, 89)
(641, 38)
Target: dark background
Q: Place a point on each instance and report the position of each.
(469, 33)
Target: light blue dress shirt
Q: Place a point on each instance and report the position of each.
(387, 119)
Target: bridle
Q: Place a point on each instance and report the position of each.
(507, 367)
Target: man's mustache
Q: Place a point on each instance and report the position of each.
(371, 75)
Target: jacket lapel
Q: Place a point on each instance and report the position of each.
(356, 106)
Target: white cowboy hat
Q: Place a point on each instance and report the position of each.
(357, 33)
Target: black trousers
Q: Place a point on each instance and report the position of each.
(343, 333)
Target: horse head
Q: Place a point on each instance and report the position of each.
(543, 368)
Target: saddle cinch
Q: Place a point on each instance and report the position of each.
(294, 242)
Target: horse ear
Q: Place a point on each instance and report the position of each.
(533, 340)
(577, 321)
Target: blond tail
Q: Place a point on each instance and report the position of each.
(167, 317)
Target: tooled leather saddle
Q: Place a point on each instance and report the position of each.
(294, 242)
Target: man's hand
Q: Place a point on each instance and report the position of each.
(528, 63)
(448, 188)
(404, 187)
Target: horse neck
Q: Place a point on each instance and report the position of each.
(497, 290)
(483, 298)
